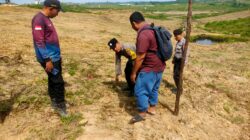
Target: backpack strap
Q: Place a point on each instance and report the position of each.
(147, 28)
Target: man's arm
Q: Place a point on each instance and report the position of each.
(39, 42)
(142, 46)
(118, 69)
(138, 62)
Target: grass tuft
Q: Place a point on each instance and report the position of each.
(239, 26)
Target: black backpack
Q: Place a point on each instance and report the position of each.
(163, 39)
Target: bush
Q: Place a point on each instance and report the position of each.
(239, 26)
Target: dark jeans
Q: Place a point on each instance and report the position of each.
(56, 83)
(177, 69)
(128, 71)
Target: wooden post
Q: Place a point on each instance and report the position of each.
(180, 84)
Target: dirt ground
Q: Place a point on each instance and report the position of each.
(214, 106)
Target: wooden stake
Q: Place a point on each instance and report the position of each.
(180, 84)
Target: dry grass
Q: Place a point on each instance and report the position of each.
(215, 103)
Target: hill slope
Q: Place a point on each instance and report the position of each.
(215, 103)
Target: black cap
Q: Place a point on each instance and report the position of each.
(53, 3)
(112, 43)
(178, 32)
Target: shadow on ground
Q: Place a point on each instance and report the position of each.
(126, 102)
(172, 88)
(6, 106)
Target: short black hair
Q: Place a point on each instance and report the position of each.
(136, 17)
(178, 32)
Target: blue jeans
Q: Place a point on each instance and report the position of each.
(146, 89)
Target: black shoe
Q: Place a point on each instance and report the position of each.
(53, 103)
(126, 89)
(174, 90)
(61, 109)
(131, 94)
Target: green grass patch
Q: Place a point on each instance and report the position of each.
(237, 120)
(211, 85)
(227, 107)
(157, 16)
(34, 100)
(205, 15)
(72, 118)
(5, 106)
(80, 97)
(72, 67)
(36, 6)
(87, 101)
(71, 126)
(77, 8)
(70, 129)
(151, 6)
(90, 72)
(42, 81)
(219, 38)
(222, 88)
(239, 26)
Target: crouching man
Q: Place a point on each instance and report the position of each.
(127, 51)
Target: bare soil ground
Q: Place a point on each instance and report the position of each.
(214, 106)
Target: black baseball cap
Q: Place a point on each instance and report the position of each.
(112, 43)
(53, 3)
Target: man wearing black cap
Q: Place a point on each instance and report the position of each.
(48, 53)
(127, 51)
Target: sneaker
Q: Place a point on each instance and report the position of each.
(53, 103)
(61, 109)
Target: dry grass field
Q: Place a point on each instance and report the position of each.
(215, 104)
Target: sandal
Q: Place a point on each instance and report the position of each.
(151, 113)
(137, 118)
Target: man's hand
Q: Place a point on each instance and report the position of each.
(133, 77)
(117, 78)
(138, 62)
(173, 61)
(49, 66)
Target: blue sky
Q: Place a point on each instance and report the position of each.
(81, 1)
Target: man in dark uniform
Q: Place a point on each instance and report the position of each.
(127, 51)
